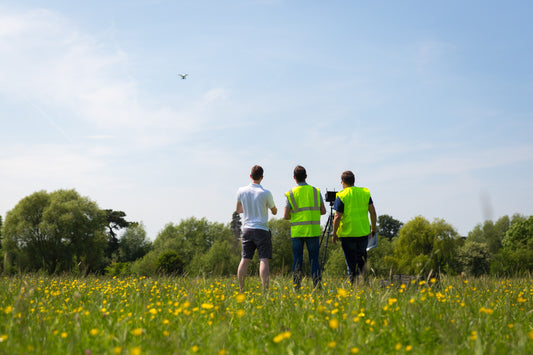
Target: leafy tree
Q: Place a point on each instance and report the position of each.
(423, 246)
(115, 220)
(518, 245)
(55, 232)
(388, 227)
(236, 225)
(134, 244)
(475, 258)
(491, 233)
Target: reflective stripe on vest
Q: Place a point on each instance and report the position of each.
(354, 221)
(305, 216)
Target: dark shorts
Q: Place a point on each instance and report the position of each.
(256, 239)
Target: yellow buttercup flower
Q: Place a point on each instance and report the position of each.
(137, 331)
(333, 323)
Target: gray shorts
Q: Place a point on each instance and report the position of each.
(256, 239)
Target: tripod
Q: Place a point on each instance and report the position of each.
(327, 232)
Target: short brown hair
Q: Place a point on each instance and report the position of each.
(300, 174)
(257, 172)
(348, 178)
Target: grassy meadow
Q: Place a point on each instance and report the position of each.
(98, 315)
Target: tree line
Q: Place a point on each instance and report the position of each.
(63, 232)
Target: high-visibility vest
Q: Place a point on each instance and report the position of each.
(354, 221)
(305, 216)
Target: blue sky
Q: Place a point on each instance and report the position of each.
(428, 102)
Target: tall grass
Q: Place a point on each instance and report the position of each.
(50, 315)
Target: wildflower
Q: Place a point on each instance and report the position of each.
(94, 332)
(486, 310)
(398, 346)
(8, 309)
(240, 298)
(3, 337)
(408, 348)
(354, 350)
(240, 313)
(64, 335)
(117, 350)
(333, 323)
(342, 292)
(207, 305)
(332, 344)
(222, 352)
(285, 335)
(392, 301)
(137, 331)
(195, 348)
(153, 311)
(136, 350)
(473, 335)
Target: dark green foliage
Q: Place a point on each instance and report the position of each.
(518, 246)
(170, 263)
(388, 227)
(491, 233)
(475, 258)
(114, 221)
(236, 225)
(423, 247)
(221, 259)
(191, 240)
(133, 244)
(118, 269)
(55, 232)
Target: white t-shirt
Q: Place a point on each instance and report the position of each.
(256, 201)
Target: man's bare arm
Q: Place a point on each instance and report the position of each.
(373, 218)
(239, 209)
(336, 224)
(287, 213)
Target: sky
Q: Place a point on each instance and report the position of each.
(429, 103)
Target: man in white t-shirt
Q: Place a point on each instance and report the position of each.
(254, 201)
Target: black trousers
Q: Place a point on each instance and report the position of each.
(354, 249)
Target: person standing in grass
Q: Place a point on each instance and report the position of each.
(303, 208)
(254, 201)
(350, 224)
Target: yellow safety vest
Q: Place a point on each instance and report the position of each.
(305, 216)
(354, 221)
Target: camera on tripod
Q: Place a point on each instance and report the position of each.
(331, 196)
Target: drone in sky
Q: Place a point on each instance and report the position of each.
(183, 76)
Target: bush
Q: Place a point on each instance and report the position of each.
(170, 263)
(118, 269)
(474, 258)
